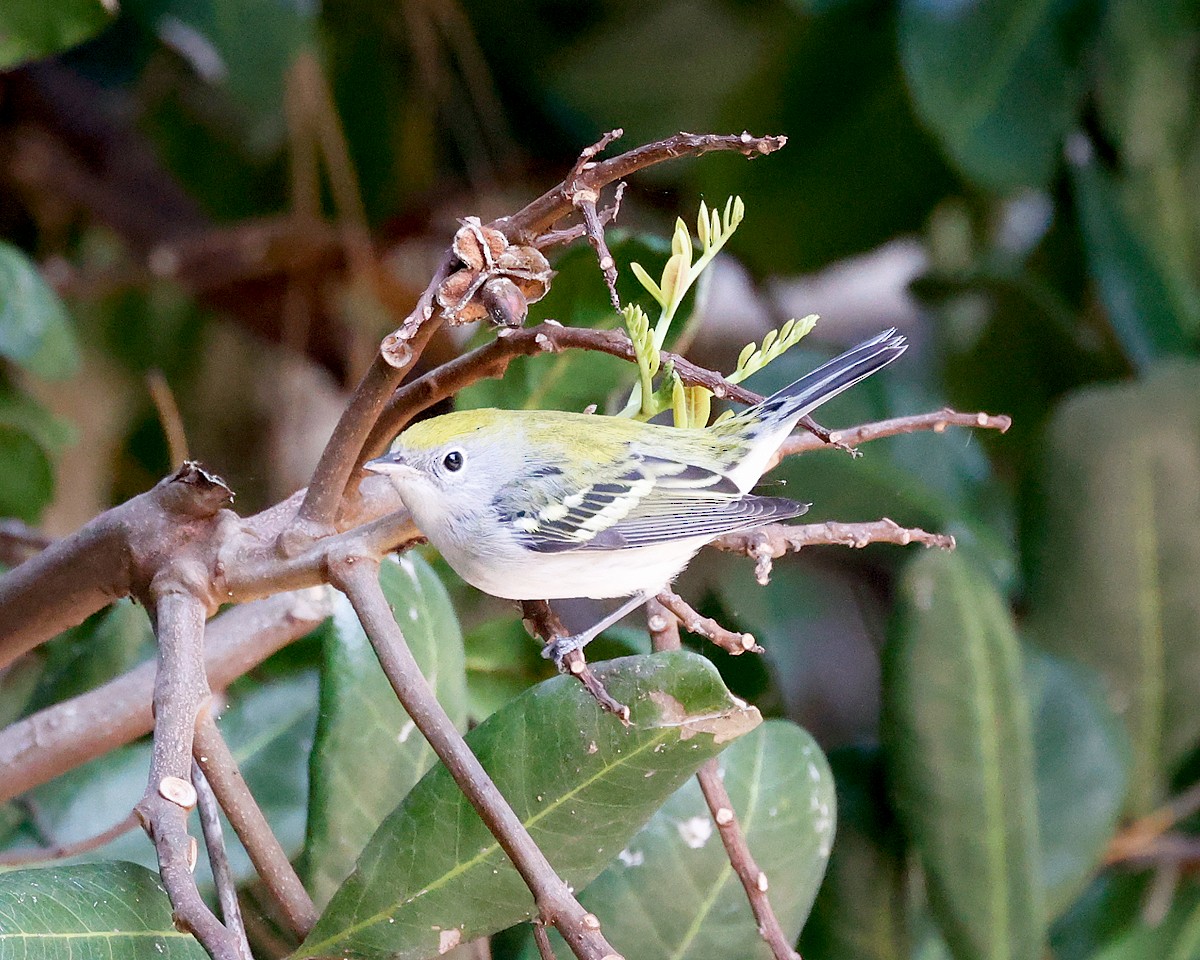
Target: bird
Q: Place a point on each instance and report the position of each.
(546, 505)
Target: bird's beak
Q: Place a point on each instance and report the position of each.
(389, 465)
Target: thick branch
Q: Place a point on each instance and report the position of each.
(357, 577)
(268, 856)
(179, 690)
(774, 540)
(107, 558)
(68, 734)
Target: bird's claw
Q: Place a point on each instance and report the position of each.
(558, 649)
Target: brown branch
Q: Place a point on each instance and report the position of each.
(754, 881)
(776, 539)
(168, 416)
(554, 238)
(492, 359)
(19, 542)
(526, 224)
(400, 349)
(1140, 840)
(23, 858)
(214, 758)
(179, 690)
(663, 626)
(937, 421)
(542, 939)
(68, 734)
(357, 577)
(584, 198)
(544, 622)
(108, 558)
(729, 641)
(218, 859)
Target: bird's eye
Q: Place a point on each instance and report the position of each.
(453, 460)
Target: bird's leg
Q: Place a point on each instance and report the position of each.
(559, 648)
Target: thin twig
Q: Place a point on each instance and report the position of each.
(357, 577)
(1140, 838)
(937, 421)
(268, 856)
(754, 881)
(179, 690)
(19, 542)
(539, 615)
(23, 858)
(168, 416)
(584, 198)
(554, 238)
(729, 641)
(776, 539)
(218, 860)
(492, 360)
(542, 939)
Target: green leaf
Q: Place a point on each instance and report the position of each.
(1129, 276)
(35, 331)
(362, 725)
(502, 662)
(1116, 560)
(98, 650)
(21, 412)
(1082, 767)
(1176, 937)
(30, 29)
(27, 480)
(860, 912)
(997, 81)
(960, 750)
(89, 911)
(581, 782)
(782, 790)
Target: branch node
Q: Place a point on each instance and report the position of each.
(178, 791)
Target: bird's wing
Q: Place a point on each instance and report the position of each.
(648, 500)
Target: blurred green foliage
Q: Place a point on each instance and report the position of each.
(996, 719)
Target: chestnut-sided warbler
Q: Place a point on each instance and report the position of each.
(541, 505)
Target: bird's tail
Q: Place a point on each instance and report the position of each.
(780, 411)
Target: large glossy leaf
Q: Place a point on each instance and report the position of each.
(30, 29)
(782, 790)
(861, 911)
(581, 782)
(959, 744)
(89, 911)
(995, 79)
(35, 331)
(362, 726)
(1082, 767)
(1148, 321)
(1117, 560)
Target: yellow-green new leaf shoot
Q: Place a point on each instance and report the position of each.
(702, 226)
(774, 344)
(648, 282)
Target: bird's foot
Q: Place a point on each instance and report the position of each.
(557, 649)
